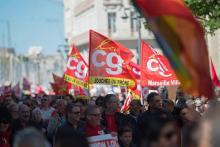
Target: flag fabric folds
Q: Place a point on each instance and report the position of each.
(156, 70)
(77, 70)
(135, 71)
(60, 86)
(107, 59)
(182, 40)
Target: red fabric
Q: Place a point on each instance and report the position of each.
(214, 75)
(111, 123)
(182, 40)
(93, 131)
(106, 61)
(156, 68)
(5, 138)
(59, 86)
(135, 71)
(127, 102)
(77, 69)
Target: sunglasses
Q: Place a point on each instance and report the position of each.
(4, 121)
(96, 115)
(77, 112)
(169, 135)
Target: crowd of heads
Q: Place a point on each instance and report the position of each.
(64, 121)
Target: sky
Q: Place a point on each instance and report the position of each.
(32, 23)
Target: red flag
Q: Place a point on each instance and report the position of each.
(135, 72)
(127, 102)
(156, 68)
(60, 86)
(39, 90)
(214, 75)
(182, 40)
(57, 79)
(26, 85)
(77, 70)
(107, 58)
(54, 87)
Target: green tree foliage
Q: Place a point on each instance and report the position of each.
(208, 12)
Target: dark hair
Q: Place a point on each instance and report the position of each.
(5, 114)
(151, 96)
(99, 101)
(69, 95)
(83, 102)
(124, 129)
(70, 138)
(70, 107)
(91, 108)
(138, 102)
(107, 99)
(154, 123)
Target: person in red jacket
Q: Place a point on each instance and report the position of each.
(5, 127)
(93, 117)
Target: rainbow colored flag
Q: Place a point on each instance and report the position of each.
(182, 40)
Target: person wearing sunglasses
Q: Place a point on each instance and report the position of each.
(5, 127)
(93, 118)
(73, 121)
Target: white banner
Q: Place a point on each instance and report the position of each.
(103, 141)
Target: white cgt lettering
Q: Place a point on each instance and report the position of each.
(157, 68)
(113, 68)
(80, 70)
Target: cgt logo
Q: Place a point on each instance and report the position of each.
(78, 68)
(136, 71)
(113, 68)
(156, 65)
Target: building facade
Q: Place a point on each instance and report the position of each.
(116, 19)
(214, 49)
(37, 69)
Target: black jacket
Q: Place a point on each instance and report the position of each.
(67, 125)
(135, 129)
(120, 119)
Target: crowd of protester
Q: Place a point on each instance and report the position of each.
(64, 121)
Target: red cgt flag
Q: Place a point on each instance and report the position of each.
(135, 72)
(107, 59)
(77, 70)
(156, 68)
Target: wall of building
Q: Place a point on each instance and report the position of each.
(92, 14)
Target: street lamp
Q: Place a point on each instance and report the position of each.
(113, 4)
(64, 47)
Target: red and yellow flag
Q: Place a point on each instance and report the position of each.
(135, 72)
(106, 61)
(77, 70)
